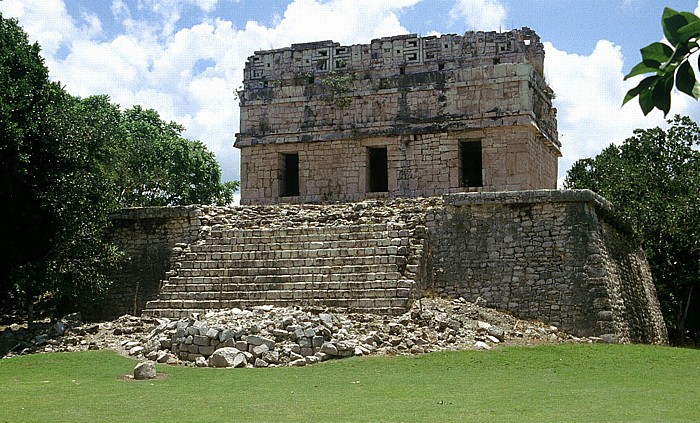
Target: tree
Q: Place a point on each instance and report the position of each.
(55, 206)
(668, 62)
(151, 164)
(65, 164)
(653, 178)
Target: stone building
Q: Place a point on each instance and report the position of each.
(403, 116)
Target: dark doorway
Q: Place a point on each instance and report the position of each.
(290, 175)
(471, 164)
(378, 170)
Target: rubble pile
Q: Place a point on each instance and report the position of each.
(267, 336)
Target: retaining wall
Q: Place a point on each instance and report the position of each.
(148, 237)
(562, 257)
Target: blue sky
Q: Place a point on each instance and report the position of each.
(185, 58)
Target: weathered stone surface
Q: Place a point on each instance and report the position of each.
(329, 348)
(225, 357)
(145, 370)
(480, 345)
(416, 99)
(207, 351)
(260, 350)
(212, 333)
(136, 350)
(496, 332)
(240, 360)
(258, 340)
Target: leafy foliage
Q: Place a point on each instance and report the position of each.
(653, 178)
(55, 208)
(669, 64)
(153, 165)
(65, 164)
(338, 86)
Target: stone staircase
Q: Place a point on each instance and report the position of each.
(362, 267)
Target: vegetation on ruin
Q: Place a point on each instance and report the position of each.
(653, 179)
(547, 383)
(668, 63)
(65, 163)
(337, 87)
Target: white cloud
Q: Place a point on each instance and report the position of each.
(47, 22)
(480, 15)
(152, 63)
(589, 92)
(141, 66)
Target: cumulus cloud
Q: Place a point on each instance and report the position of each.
(156, 64)
(49, 23)
(589, 91)
(486, 15)
(189, 74)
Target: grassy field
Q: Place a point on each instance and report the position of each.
(550, 383)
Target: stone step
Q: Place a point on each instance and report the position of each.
(313, 231)
(285, 294)
(213, 263)
(360, 283)
(251, 244)
(390, 269)
(199, 284)
(286, 251)
(184, 308)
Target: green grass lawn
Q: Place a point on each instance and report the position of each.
(550, 383)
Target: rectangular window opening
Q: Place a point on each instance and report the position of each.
(289, 175)
(471, 164)
(378, 176)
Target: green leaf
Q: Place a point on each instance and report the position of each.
(655, 54)
(672, 21)
(640, 69)
(685, 79)
(661, 94)
(690, 17)
(643, 85)
(646, 102)
(688, 32)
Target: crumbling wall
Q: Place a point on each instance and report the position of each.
(562, 257)
(419, 165)
(147, 236)
(556, 256)
(419, 97)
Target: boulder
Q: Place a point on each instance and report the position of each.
(145, 370)
(224, 357)
(496, 332)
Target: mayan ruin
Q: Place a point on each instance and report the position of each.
(376, 175)
(403, 116)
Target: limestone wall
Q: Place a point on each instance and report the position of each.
(562, 257)
(148, 237)
(418, 165)
(557, 256)
(418, 97)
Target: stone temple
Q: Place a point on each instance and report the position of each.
(403, 116)
(431, 163)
